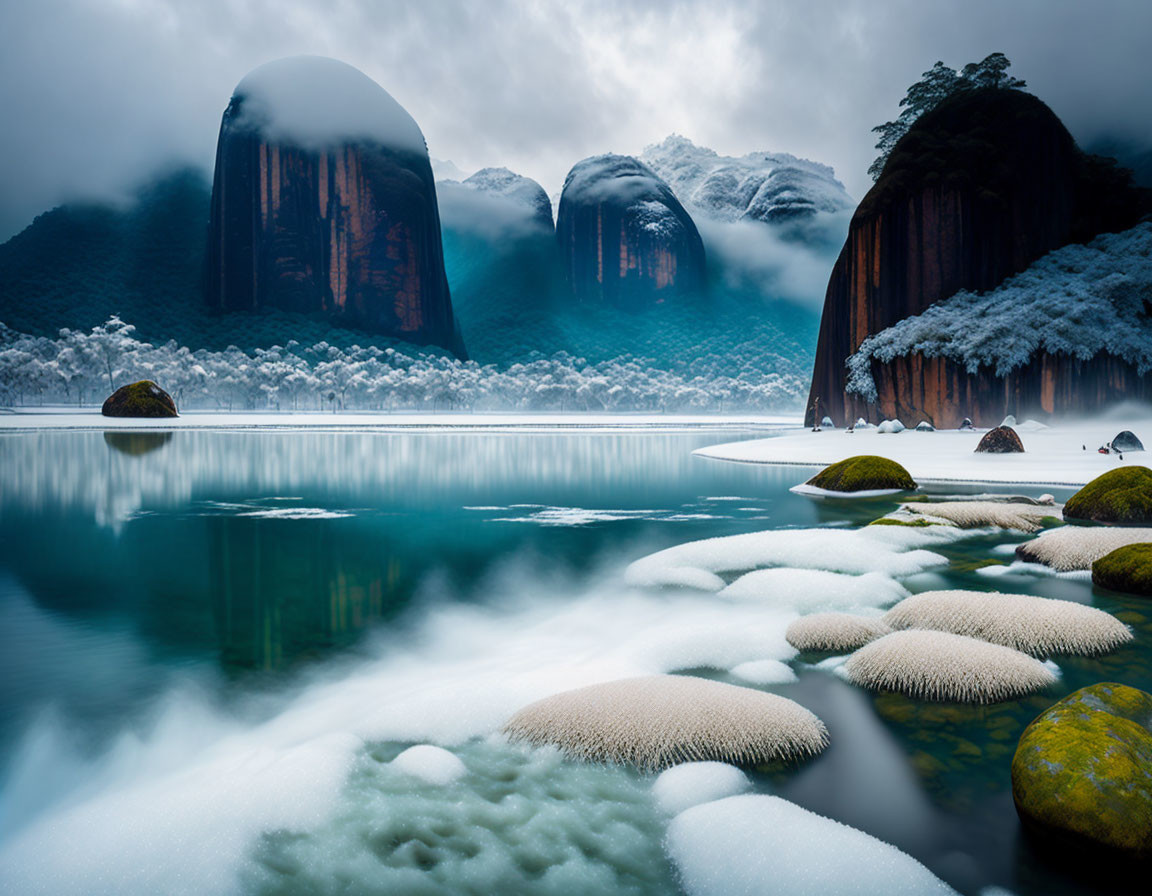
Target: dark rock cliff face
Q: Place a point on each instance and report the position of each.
(624, 238)
(344, 223)
(978, 189)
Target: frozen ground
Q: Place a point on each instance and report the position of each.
(90, 418)
(1063, 454)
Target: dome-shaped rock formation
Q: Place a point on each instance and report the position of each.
(1000, 440)
(977, 190)
(625, 240)
(324, 202)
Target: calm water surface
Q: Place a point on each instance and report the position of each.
(168, 597)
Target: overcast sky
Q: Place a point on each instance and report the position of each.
(96, 94)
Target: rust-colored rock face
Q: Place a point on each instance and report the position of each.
(977, 190)
(625, 240)
(344, 226)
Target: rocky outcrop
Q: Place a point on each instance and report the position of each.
(519, 191)
(624, 238)
(140, 399)
(324, 202)
(978, 189)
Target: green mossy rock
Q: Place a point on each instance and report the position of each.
(1127, 569)
(865, 472)
(142, 399)
(1082, 772)
(1123, 495)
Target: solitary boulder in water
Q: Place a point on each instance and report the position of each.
(324, 203)
(1001, 440)
(141, 399)
(864, 472)
(1123, 495)
(625, 240)
(1082, 772)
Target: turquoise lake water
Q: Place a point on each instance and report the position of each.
(214, 642)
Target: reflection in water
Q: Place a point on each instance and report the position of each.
(282, 592)
(135, 444)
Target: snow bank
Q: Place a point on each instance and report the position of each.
(1059, 455)
(431, 764)
(809, 590)
(752, 844)
(1079, 300)
(692, 783)
(892, 550)
(763, 672)
(317, 102)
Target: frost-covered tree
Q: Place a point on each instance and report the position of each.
(935, 86)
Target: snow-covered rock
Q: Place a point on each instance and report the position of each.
(752, 844)
(692, 783)
(760, 186)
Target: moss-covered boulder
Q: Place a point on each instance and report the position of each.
(1127, 569)
(1082, 772)
(864, 472)
(1123, 495)
(1001, 440)
(141, 399)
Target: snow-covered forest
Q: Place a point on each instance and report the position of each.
(1079, 300)
(82, 368)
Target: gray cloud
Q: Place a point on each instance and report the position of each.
(95, 94)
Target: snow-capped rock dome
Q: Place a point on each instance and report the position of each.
(315, 101)
(514, 187)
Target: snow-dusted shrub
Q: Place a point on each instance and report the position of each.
(1040, 626)
(975, 514)
(932, 665)
(1078, 547)
(1079, 300)
(662, 720)
(835, 631)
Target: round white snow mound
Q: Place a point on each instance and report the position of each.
(317, 102)
(930, 665)
(763, 672)
(684, 786)
(752, 844)
(435, 765)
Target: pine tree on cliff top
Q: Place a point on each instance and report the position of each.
(934, 86)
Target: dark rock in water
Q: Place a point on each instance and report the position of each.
(966, 424)
(978, 189)
(1082, 772)
(136, 444)
(1127, 569)
(324, 202)
(141, 399)
(624, 238)
(1127, 441)
(1001, 440)
(1123, 496)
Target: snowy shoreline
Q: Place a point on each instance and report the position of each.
(90, 419)
(1061, 455)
